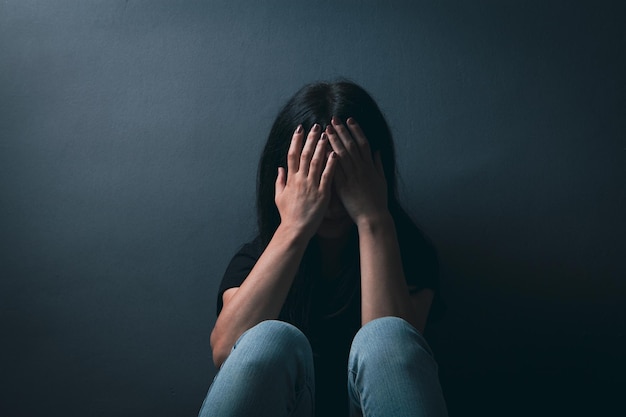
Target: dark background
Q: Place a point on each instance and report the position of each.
(129, 138)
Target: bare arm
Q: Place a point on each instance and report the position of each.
(262, 295)
(384, 291)
(302, 197)
(363, 190)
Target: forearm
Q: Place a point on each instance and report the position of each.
(263, 293)
(383, 286)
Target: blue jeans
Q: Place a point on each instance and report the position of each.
(269, 372)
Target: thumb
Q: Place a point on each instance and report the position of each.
(281, 180)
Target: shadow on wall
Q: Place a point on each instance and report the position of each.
(525, 337)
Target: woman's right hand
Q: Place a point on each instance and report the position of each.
(302, 197)
(303, 190)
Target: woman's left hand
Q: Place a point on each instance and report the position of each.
(359, 178)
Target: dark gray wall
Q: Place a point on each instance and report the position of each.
(129, 137)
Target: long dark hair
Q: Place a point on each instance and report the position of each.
(317, 103)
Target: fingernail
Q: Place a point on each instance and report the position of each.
(351, 121)
(335, 120)
(323, 137)
(315, 128)
(299, 129)
(330, 130)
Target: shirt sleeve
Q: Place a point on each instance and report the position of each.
(238, 269)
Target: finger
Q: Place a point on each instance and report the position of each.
(309, 148)
(295, 148)
(281, 180)
(338, 147)
(348, 142)
(359, 137)
(329, 172)
(319, 158)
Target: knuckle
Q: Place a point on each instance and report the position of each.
(316, 162)
(298, 180)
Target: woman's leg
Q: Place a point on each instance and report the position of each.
(269, 372)
(392, 372)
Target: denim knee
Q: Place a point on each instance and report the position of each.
(388, 340)
(392, 371)
(274, 344)
(269, 372)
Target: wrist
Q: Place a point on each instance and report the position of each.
(295, 236)
(375, 221)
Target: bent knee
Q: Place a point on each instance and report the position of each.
(389, 339)
(277, 332)
(274, 343)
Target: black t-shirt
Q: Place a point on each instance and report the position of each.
(336, 309)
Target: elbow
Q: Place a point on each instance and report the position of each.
(218, 358)
(218, 350)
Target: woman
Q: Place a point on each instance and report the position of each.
(323, 313)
